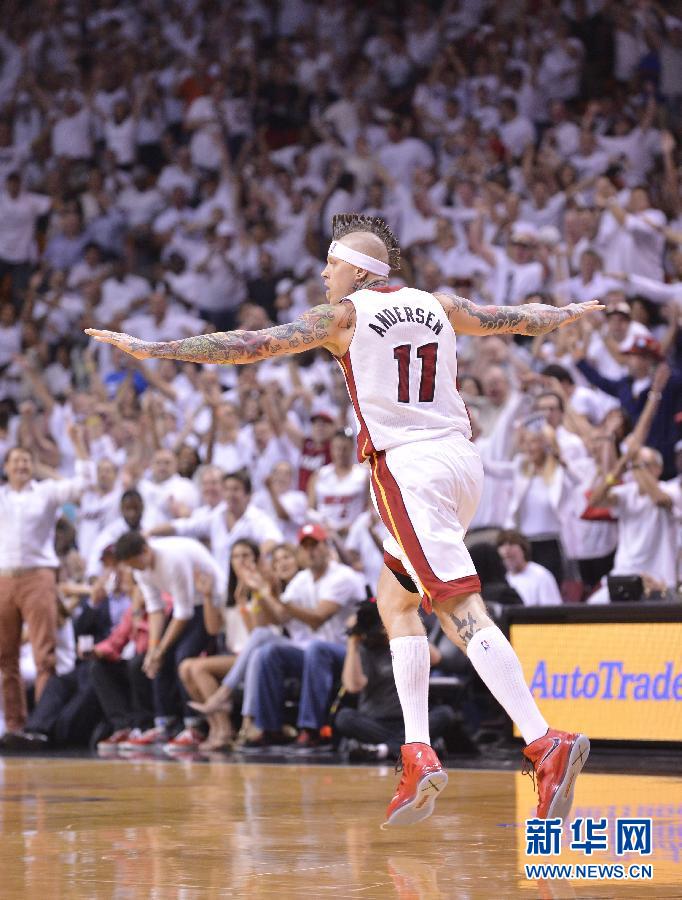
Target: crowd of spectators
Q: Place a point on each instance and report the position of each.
(172, 168)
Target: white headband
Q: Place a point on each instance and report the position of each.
(355, 258)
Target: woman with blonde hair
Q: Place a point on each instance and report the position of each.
(542, 495)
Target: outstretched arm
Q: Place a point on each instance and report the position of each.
(328, 325)
(530, 318)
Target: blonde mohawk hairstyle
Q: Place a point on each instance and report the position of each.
(349, 223)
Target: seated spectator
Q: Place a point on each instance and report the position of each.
(246, 626)
(262, 589)
(375, 730)
(314, 607)
(534, 583)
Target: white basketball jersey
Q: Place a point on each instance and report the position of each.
(401, 370)
(341, 500)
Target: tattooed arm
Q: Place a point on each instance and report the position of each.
(530, 318)
(329, 326)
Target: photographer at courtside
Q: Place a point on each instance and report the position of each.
(375, 729)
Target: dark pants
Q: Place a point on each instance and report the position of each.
(124, 692)
(548, 554)
(170, 697)
(67, 711)
(19, 275)
(372, 730)
(593, 570)
(318, 665)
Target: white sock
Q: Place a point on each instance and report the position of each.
(494, 659)
(411, 668)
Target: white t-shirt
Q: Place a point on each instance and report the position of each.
(341, 585)
(536, 586)
(176, 560)
(341, 500)
(647, 540)
(18, 217)
(95, 512)
(72, 136)
(120, 139)
(294, 502)
(157, 497)
(254, 524)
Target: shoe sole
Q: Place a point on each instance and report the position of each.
(422, 805)
(562, 801)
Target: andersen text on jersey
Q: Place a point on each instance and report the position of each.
(389, 317)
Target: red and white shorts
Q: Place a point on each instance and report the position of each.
(426, 494)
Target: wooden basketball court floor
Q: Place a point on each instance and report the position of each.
(81, 828)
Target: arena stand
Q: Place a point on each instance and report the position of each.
(168, 169)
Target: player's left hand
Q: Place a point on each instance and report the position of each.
(125, 342)
(578, 310)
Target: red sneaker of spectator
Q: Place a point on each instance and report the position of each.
(422, 780)
(141, 740)
(114, 741)
(187, 739)
(556, 760)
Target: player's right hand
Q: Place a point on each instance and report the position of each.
(126, 342)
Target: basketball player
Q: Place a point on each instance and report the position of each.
(396, 346)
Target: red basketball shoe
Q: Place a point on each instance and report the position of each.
(422, 780)
(556, 760)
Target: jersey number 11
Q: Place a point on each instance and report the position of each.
(428, 354)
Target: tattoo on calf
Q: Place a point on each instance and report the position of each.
(466, 628)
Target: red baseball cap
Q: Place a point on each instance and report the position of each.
(643, 345)
(314, 531)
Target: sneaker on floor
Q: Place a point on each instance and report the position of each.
(422, 781)
(187, 739)
(143, 740)
(556, 760)
(114, 741)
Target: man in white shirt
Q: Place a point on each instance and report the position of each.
(314, 606)
(163, 488)
(170, 566)
(28, 566)
(131, 509)
(615, 338)
(534, 583)
(644, 507)
(120, 290)
(281, 502)
(99, 506)
(19, 212)
(516, 131)
(234, 519)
